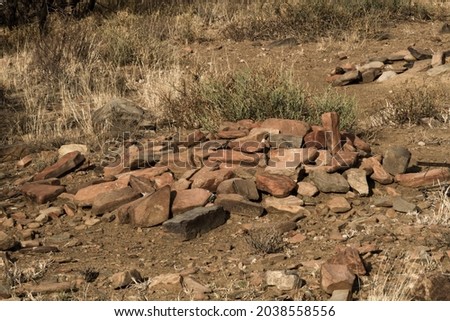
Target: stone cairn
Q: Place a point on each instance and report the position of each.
(382, 68)
(192, 184)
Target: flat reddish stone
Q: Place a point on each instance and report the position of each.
(349, 256)
(316, 138)
(186, 200)
(276, 185)
(430, 177)
(87, 195)
(41, 193)
(209, 178)
(109, 201)
(62, 166)
(163, 180)
(336, 277)
(293, 156)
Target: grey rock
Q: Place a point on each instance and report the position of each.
(438, 70)
(285, 141)
(238, 204)
(370, 75)
(396, 160)
(197, 221)
(341, 295)
(119, 115)
(357, 180)
(445, 28)
(246, 188)
(282, 280)
(382, 201)
(387, 75)
(329, 183)
(403, 206)
(348, 78)
(420, 54)
(372, 65)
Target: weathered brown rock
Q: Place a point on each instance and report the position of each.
(370, 75)
(438, 59)
(62, 166)
(349, 77)
(315, 138)
(339, 204)
(238, 204)
(420, 54)
(87, 195)
(344, 159)
(25, 161)
(287, 126)
(41, 193)
(187, 200)
(232, 134)
(336, 277)
(7, 242)
(307, 189)
(357, 180)
(250, 143)
(282, 280)
(330, 123)
(276, 185)
(209, 178)
(349, 256)
(235, 157)
(197, 221)
(286, 205)
(124, 279)
(379, 174)
(285, 141)
(396, 159)
(109, 201)
(152, 210)
(163, 180)
(142, 185)
(430, 177)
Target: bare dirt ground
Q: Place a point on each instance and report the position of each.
(404, 247)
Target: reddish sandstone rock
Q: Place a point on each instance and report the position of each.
(235, 157)
(238, 204)
(379, 174)
(339, 204)
(287, 126)
(316, 138)
(344, 159)
(163, 180)
(330, 123)
(109, 201)
(62, 166)
(24, 162)
(41, 193)
(232, 134)
(152, 210)
(87, 195)
(186, 200)
(349, 256)
(430, 177)
(209, 178)
(336, 277)
(276, 185)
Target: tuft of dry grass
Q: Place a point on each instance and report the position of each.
(265, 240)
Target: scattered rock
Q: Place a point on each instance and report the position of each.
(123, 279)
(445, 28)
(194, 287)
(372, 65)
(152, 210)
(41, 193)
(208, 178)
(336, 277)
(396, 160)
(66, 149)
(349, 256)
(24, 162)
(341, 295)
(282, 280)
(87, 195)
(438, 59)
(285, 141)
(246, 188)
(329, 183)
(403, 206)
(165, 279)
(339, 204)
(276, 185)
(62, 166)
(197, 221)
(290, 205)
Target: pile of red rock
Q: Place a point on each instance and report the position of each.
(191, 184)
(386, 67)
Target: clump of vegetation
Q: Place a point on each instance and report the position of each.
(414, 107)
(265, 240)
(253, 94)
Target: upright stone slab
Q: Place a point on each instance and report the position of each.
(197, 221)
(330, 123)
(152, 210)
